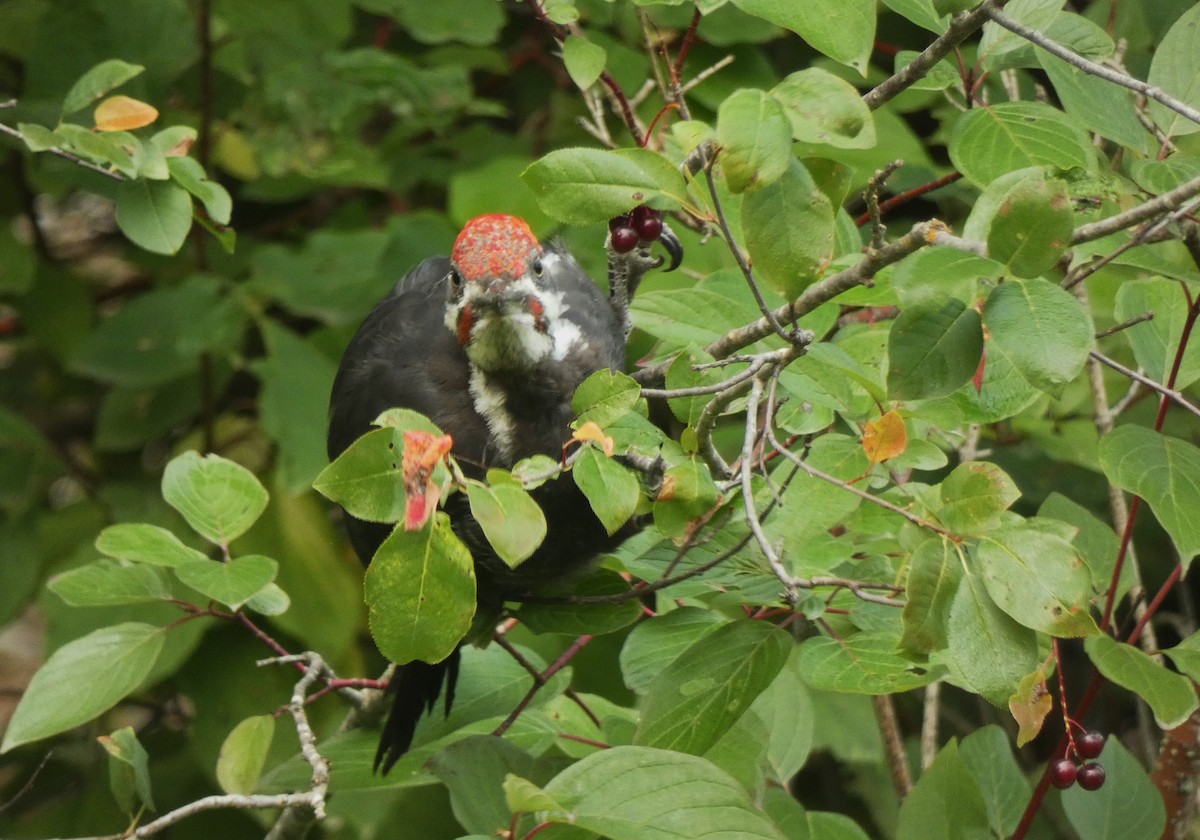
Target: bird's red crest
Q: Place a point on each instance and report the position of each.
(495, 245)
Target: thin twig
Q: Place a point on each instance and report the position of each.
(1171, 394)
(1124, 325)
(1091, 67)
(893, 743)
(540, 680)
(1168, 201)
(961, 26)
(65, 155)
(790, 593)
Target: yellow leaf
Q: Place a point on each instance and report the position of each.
(121, 113)
(1029, 705)
(591, 431)
(885, 437)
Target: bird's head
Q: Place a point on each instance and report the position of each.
(499, 307)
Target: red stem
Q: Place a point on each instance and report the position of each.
(904, 197)
(689, 38)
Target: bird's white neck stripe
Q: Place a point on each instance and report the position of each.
(491, 404)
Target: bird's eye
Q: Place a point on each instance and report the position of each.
(456, 282)
(536, 265)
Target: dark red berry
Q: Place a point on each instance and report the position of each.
(1062, 773)
(624, 239)
(1090, 744)
(1091, 776)
(621, 221)
(647, 222)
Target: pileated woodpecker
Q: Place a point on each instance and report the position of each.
(490, 344)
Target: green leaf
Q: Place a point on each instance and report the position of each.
(1032, 227)
(1156, 342)
(155, 215)
(578, 619)
(1175, 69)
(1097, 104)
(367, 479)
(106, 583)
(420, 591)
(939, 77)
(1165, 471)
(987, 142)
(1128, 807)
(933, 578)
(974, 496)
(584, 60)
(142, 543)
(475, 770)
(945, 803)
(655, 643)
(511, 520)
(1171, 696)
(232, 583)
(244, 754)
(219, 498)
(158, 337)
(83, 679)
(38, 138)
(755, 140)
(189, 174)
(1186, 655)
(640, 793)
(98, 81)
(988, 757)
(611, 489)
(825, 110)
(933, 350)
(789, 230)
(296, 380)
(988, 651)
(687, 492)
(1043, 330)
(128, 770)
(579, 186)
(604, 397)
(692, 702)
(865, 663)
(1037, 578)
(844, 30)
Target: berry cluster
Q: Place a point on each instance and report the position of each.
(642, 224)
(1090, 775)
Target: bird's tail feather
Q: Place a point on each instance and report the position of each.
(415, 687)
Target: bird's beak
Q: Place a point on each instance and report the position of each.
(674, 247)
